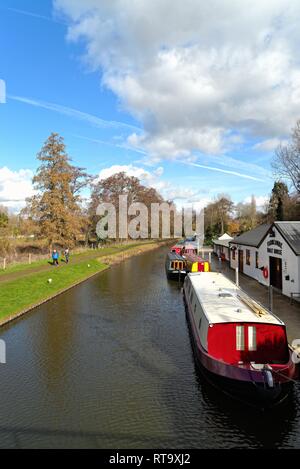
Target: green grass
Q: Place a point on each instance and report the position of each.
(25, 292)
(22, 267)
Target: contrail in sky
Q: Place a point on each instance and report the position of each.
(225, 171)
(34, 15)
(74, 113)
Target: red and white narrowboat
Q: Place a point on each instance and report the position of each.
(178, 247)
(240, 344)
(190, 248)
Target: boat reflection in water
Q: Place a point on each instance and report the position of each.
(241, 347)
(250, 426)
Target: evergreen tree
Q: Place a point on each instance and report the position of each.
(278, 201)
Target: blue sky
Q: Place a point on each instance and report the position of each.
(122, 99)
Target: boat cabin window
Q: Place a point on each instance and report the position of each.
(240, 338)
(178, 265)
(251, 338)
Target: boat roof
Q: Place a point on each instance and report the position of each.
(173, 256)
(190, 246)
(192, 257)
(223, 302)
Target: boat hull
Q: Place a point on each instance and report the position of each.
(174, 275)
(245, 384)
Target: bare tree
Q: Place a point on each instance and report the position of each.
(286, 163)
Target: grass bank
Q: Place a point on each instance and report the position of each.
(26, 268)
(29, 290)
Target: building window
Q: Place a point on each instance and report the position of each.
(240, 338)
(256, 260)
(248, 256)
(252, 338)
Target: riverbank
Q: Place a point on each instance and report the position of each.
(32, 288)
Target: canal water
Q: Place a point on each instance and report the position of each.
(110, 365)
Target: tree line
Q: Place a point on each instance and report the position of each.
(222, 215)
(60, 214)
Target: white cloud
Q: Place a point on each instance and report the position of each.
(192, 72)
(269, 145)
(15, 187)
(146, 177)
(181, 195)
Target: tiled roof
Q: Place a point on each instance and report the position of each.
(252, 237)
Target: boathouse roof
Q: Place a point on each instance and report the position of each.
(222, 242)
(223, 302)
(253, 237)
(290, 231)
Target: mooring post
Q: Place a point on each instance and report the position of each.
(237, 280)
(271, 298)
(4, 264)
(209, 257)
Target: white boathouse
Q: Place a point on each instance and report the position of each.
(221, 246)
(270, 254)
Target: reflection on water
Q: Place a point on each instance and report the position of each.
(109, 364)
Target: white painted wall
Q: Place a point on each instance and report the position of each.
(221, 250)
(290, 263)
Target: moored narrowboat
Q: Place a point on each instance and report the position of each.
(178, 247)
(189, 248)
(241, 346)
(195, 263)
(175, 265)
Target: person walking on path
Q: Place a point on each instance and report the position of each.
(67, 255)
(55, 257)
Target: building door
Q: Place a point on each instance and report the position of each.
(276, 272)
(241, 261)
